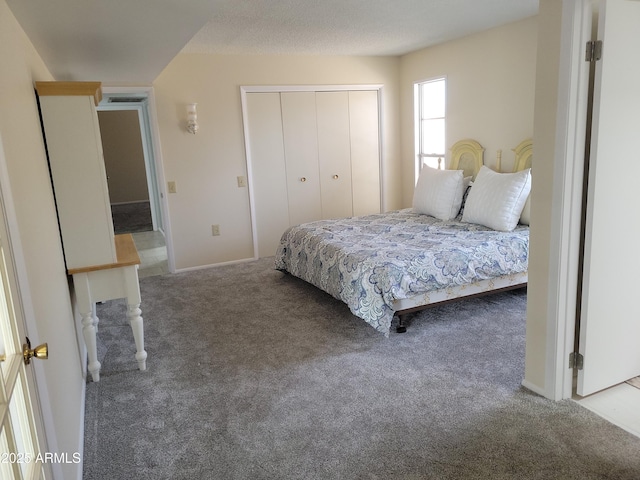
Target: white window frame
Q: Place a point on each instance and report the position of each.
(422, 158)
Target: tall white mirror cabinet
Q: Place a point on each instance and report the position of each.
(104, 266)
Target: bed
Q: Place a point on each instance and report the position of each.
(464, 236)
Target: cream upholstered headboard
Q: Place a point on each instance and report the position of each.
(524, 158)
(467, 155)
(524, 155)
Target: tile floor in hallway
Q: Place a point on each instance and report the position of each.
(153, 253)
(619, 404)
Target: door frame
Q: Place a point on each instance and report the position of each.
(245, 89)
(572, 134)
(153, 157)
(152, 190)
(564, 236)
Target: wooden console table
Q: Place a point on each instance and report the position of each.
(100, 283)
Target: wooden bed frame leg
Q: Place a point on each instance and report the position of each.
(402, 327)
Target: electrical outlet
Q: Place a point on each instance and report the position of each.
(242, 181)
(172, 187)
(215, 230)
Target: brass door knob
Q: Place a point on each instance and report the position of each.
(303, 179)
(41, 352)
(335, 177)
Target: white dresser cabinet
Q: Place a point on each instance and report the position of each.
(103, 266)
(312, 155)
(77, 168)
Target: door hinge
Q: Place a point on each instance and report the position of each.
(593, 52)
(576, 360)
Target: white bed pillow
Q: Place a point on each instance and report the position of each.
(526, 211)
(496, 199)
(439, 193)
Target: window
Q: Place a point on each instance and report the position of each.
(429, 100)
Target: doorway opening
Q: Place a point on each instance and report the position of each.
(133, 176)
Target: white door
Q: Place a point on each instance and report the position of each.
(301, 155)
(365, 151)
(334, 154)
(21, 447)
(610, 320)
(268, 177)
(311, 154)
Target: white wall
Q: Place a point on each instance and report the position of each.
(123, 155)
(205, 166)
(490, 92)
(491, 86)
(26, 161)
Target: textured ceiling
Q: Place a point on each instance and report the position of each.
(351, 27)
(124, 41)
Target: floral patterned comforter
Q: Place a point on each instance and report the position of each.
(370, 261)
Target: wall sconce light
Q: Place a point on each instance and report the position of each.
(192, 118)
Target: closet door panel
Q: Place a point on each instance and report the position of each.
(365, 151)
(334, 152)
(268, 170)
(301, 156)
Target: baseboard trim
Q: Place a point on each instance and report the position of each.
(129, 203)
(534, 388)
(213, 265)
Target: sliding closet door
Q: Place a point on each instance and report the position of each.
(271, 205)
(312, 155)
(610, 322)
(334, 153)
(301, 155)
(365, 151)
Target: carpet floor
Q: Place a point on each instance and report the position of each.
(253, 374)
(132, 217)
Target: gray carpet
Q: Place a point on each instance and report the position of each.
(132, 217)
(253, 374)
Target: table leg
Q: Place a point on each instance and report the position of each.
(96, 320)
(89, 333)
(105, 284)
(135, 320)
